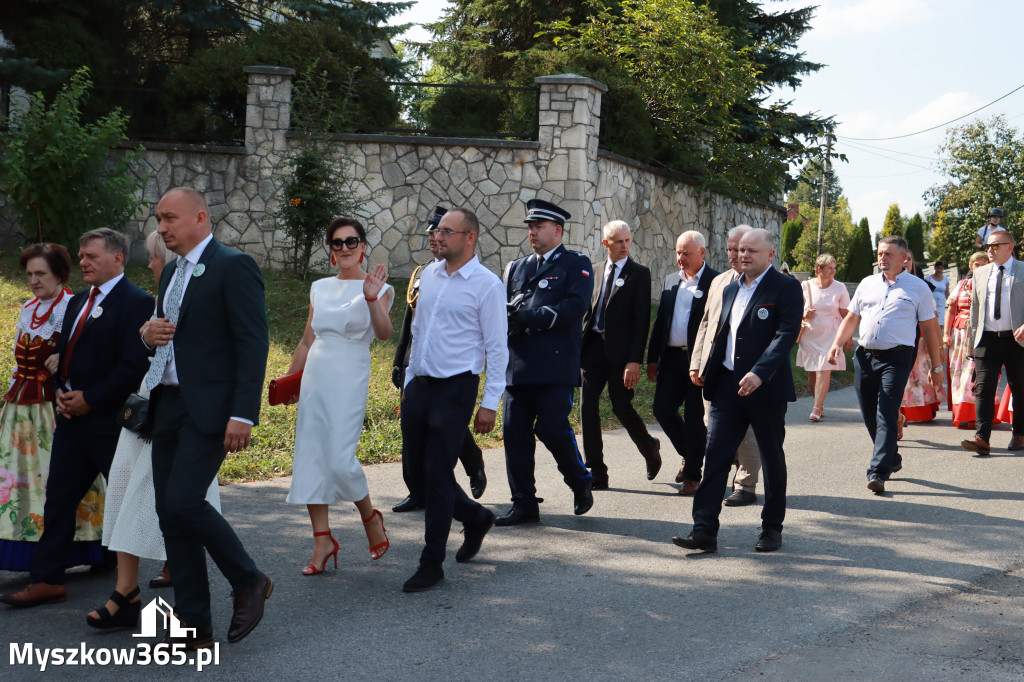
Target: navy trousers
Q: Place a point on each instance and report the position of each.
(673, 391)
(880, 381)
(542, 411)
(470, 454)
(728, 420)
(434, 418)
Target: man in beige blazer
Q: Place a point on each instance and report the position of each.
(996, 333)
(748, 459)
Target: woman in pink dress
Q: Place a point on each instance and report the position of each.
(825, 305)
(961, 365)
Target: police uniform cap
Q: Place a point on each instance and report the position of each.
(538, 209)
(434, 220)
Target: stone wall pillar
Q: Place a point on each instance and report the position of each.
(569, 126)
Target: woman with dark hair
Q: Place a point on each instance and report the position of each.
(27, 420)
(346, 313)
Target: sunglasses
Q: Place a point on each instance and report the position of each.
(994, 247)
(350, 243)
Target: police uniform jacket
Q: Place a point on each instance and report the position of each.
(552, 303)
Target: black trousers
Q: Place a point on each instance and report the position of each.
(185, 462)
(77, 456)
(542, 411)
(728, 419)
(596, 373)
(434, 418)
(992, 354)
(674, 390)
(470, 454)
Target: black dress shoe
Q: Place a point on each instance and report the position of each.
(473, 537)
(248, 610)
(478, 483)
(876, 484)
(653, 457)
(740, 498)
(200, 638)
(409, 504)
(583, 500)
(517, 515)
(698, 539)
(769, 540)
(425, 577)
(599, 482)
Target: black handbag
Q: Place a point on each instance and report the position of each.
(134, 416)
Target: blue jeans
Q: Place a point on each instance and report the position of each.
(880, 381)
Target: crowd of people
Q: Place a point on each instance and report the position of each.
(192, 364)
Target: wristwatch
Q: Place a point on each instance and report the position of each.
(938, 369)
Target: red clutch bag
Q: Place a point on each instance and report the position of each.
(284, 389)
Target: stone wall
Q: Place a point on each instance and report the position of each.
(404, 178)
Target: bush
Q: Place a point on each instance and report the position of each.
(791, 231)
(58, 172)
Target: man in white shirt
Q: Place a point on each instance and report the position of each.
(888, 308)
(461, 326)
(996, 335)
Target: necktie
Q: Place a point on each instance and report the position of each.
(65, 361)
(609, 280)
(999, 293)
(538, 261)
(171, 305)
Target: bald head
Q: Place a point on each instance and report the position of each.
(183, 219)
(756, 253)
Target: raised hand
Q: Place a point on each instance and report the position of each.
(375, 281)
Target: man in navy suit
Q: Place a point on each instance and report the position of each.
(614, 334)
(748, 381)
(210, 346)
(683, 299)
(548, 294)
(101, 363)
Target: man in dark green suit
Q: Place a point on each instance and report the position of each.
(210, 345)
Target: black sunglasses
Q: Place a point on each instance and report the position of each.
(351, 243)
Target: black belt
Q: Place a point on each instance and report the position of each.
(440, 380)
(885, 351)
(1002, 334)
(678, 348)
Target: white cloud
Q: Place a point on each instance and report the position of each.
(878, 123)
(867, 16)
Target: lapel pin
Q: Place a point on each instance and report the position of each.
(96, 312)
(762, 313)
(697, 293)
(543, 284)
(619, 282)
(198, 270)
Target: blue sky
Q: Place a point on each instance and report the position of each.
(892, 67)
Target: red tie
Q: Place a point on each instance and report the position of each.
(65, 361)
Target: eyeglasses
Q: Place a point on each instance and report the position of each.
(995, 246)
(446, 233)
(351, 243)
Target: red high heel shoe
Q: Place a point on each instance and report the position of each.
(378, 550)
(311, 569)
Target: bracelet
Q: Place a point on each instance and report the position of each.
(938, 369)
(370, 300)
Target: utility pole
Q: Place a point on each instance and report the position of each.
(826, 171)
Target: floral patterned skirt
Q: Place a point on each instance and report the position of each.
(921, 400)
(26, 437)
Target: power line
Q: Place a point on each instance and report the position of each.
(941, 125)
(898, 153)
(890, 158)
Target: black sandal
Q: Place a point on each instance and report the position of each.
(126, 616)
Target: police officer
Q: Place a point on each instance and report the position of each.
(470, 455)
(994, 216)
(548, 292)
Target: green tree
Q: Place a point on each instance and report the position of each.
(894, 224)
(837, 237)
(914, 234)
(861, 260)
(983, 162)
(791, 231)
(807, 191)
(942, 246)
(57, 169)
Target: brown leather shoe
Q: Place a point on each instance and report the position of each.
(249, 608)
(36, 594)
(689, 488)
(201, 638)
(978, 445)
(679, 476)
(162, 579)
(1016, 443)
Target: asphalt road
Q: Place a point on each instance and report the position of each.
(922, 583)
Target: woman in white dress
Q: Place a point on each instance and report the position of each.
(941, 291)
(346, 312)
(130, 526)
(826, 303)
